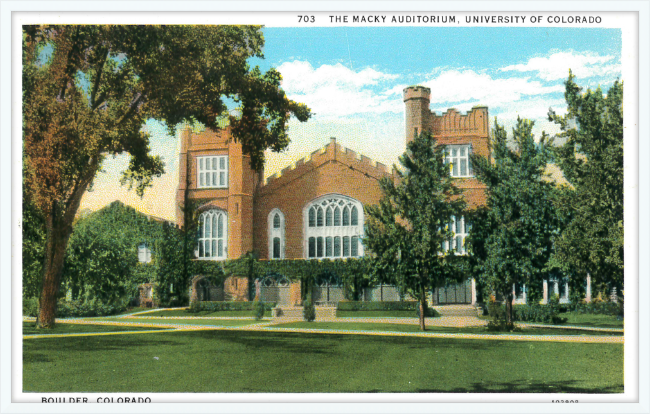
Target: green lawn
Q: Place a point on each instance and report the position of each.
(396, 327)
(182, 312)
(228, 361)
(154, 320)
(596, 321)
(29, 328)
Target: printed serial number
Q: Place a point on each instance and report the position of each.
(564, 401)
(306, 19)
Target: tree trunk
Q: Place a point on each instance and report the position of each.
(56, 240)
(423, 303)
(509, 299)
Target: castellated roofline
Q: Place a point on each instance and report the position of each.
(329, 153)
(417, 92)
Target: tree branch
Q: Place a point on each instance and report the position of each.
(94, 104)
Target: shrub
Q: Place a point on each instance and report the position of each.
(309, 311)
(379, 306)
(528, 313)
(598, 307)
(30, 307)
(206, 306)
(74, 308)
(259, 310)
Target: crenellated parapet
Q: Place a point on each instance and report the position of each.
(453, 123)
(331, 152)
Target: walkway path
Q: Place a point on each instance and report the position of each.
(267, 326)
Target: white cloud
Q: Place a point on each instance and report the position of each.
(557, 65)
(465, 86)
(337, 91)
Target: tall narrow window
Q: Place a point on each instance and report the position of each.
(213, 235)
(333, 228)
(460, 230)
(458, 157)
(276, 234)
(144, 253)
(212, 172)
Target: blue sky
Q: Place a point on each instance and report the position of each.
(352, 78)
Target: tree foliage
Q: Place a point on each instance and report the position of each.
(406, 230)
(592, 162)
(102, 257)
(87, 91)
(512, 236)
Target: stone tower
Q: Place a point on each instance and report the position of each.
(416, 101)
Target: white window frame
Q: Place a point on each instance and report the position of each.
(144, 253)
(453, 156)
(274, 232)
(464, 232)
(212, 169)
(207, 219)
(333, 234)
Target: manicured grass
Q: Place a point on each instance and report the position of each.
(228, 361)
(182, 312)
(158, 321)
(596, 321)
(29, 328)
(396, 327)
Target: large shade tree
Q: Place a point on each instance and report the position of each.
(406, 231)
(512, 236)
(87, 91)
(592, 162)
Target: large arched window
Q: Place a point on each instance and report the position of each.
(213, 235)
(333, 227)
(276, 234)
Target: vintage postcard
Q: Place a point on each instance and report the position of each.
(415, 206)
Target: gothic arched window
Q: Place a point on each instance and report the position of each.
(333, 227)
(213, 235)
(276, 234)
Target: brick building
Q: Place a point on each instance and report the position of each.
(313, 209)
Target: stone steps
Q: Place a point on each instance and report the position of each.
(456, 310)
(296, 312)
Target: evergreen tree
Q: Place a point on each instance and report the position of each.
(512, 237)
(592, 162)
(406, 231)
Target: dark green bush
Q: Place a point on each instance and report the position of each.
(428, 312)
(309, 311)
(78, 308)
(379, 306)
(30, 307)
(259, 310)
(205, 306)
(598, 308)
(529, 312)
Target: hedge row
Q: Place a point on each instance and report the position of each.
(598, 308)
(528, 313)
(67, 309)
(226, 306)
(379, 306)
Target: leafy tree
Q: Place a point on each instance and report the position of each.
(592, 162)
(33, 230)
(87, 91)
(173, 272)
(102, 256)
(512, 237)
(406, 231)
